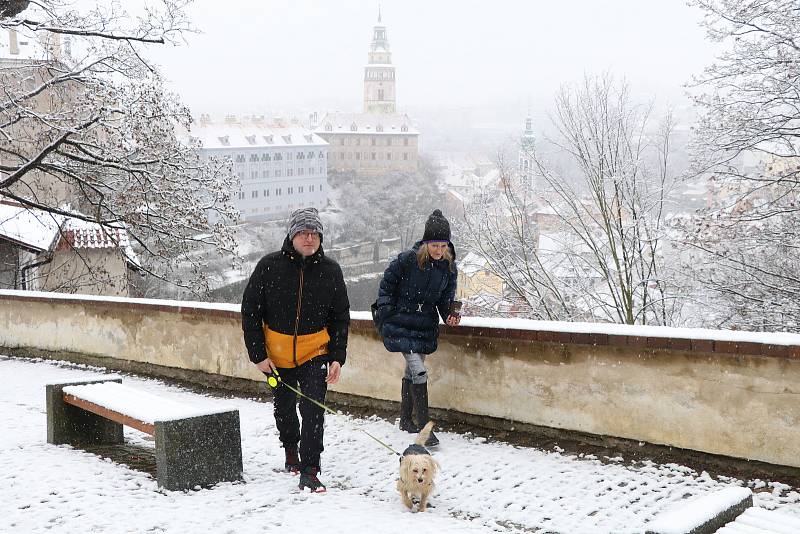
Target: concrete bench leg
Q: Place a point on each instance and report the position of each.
(67, 424)
(198, 451)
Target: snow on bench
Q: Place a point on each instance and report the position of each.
(703, 515)
(145, 408)
(761, 521)
(194, 446)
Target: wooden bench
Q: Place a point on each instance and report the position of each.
(193, 447)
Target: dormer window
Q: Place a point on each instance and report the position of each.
(287, 139)
(404, 128)
(225, 140)
(354, 127)
(309, 138)
(251, 139)
(328, 127)
(379, 128)
(268, 139)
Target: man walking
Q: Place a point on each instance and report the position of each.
(295, 318)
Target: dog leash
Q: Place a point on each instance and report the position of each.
(275, 378)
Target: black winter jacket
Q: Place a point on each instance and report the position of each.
(408, 301)
(295, 309)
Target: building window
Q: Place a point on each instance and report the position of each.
(311, 170)
(289, 172)
(254, 175)
(278, 192)
(311, 188)
(266, 192)
(254, 194)
(358, 155)
(278, 156)
(373, 141)
(239, 158)
(358, 141)
(278, 173)
(341, 155)
(380, 91)
(253, 157)
(290, 191)
(373, 155)
(389, 155)
(320, 169)
(310, 155)
(321, 155)
(320, 187)
(405, 156)
(241, 195)
(388, 141)
(405, 141)
(265, 157)
(266, 174)
(300, 190)
(289, 156)
(300, 171)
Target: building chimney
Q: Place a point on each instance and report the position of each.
(13, 44)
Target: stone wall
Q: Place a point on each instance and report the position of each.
(734, 394)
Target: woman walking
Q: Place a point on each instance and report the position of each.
(417, 288)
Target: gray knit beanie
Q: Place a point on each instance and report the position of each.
(304, 219)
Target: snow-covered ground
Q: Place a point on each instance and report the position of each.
(483, 487)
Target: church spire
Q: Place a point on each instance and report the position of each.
(379, 13)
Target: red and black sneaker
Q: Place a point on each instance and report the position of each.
(308, 479)
(292, 463)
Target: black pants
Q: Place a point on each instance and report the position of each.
(309, 378)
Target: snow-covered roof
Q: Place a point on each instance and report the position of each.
(238, 135)
(470, 180)
(471, 263)
(30, 228)
(366, 123)
(78, 234)
(39, 231)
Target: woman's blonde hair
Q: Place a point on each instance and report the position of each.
(423, 257)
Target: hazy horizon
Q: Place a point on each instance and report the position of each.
(503, 61)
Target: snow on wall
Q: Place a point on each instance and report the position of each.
(772, 338)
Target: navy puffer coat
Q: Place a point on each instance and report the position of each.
(409, 299)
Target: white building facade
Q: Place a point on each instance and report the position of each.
(280, 168)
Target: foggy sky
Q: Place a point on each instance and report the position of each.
(296, 55)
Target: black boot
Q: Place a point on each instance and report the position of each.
(309, 479)
(421, 407)
(407, 408)
(292, 463)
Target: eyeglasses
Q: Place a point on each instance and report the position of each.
(307, 234)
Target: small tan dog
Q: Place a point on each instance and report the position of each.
(417, 471)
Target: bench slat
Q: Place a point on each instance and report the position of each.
(147, 428)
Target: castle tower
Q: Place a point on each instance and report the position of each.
(526, 144)
(379, 81)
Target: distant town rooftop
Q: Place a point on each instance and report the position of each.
(251, 132)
